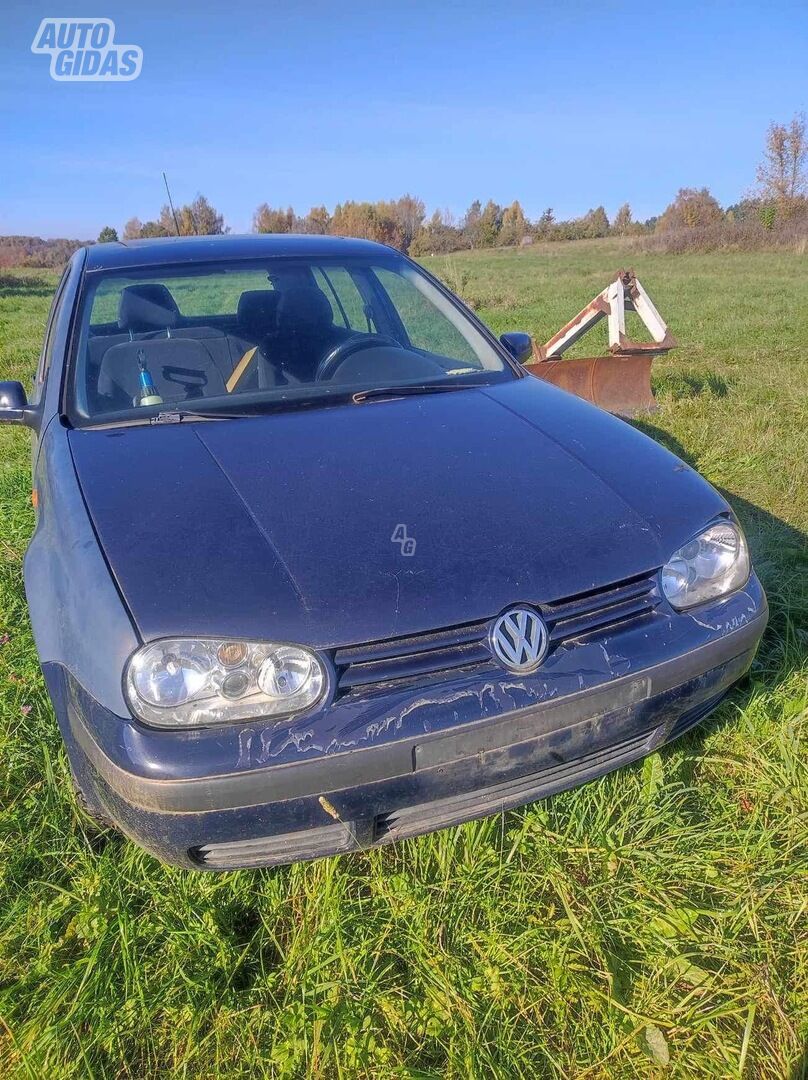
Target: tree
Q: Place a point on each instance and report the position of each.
(623, 222)
(514, 225)
(594, 223)
(154, 228)
(438, 236)
(182, 225)
(133, 229)
(207, 221)
(470, 225)
(354, 219)
(108, 235)
(198, 218)
(370, 221)
(781, 175)
(490, 224)
(386, 225)
(545, 223)
(748, 209)
(767, 215)
(317, 221)
(692, 208)
(268, 220)
(408, 214)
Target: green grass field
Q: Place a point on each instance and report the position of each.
(652, 923)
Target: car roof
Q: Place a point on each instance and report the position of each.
(165, 250)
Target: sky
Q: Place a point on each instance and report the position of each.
(563, 105)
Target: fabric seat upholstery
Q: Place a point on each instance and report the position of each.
(182, 369)
(305, 331)
(257, 314)
(148, 309)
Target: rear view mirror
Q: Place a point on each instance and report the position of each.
(519, 345)
(13, 403)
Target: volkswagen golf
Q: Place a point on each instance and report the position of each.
(319, 565)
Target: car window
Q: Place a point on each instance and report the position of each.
(426, 325)
(345, 298)
(47, 346)
(287, 329)
(195, 295)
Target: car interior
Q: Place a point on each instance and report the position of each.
(290, 333)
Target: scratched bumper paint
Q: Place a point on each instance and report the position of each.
(481, 737)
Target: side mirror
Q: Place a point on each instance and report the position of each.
(519, 345)
(13, 403)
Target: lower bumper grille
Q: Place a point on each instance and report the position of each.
(412, 820)
(283, 848)
(463, 646)
(422, 817)
(690, 719)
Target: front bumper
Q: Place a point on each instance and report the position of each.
(326, 803)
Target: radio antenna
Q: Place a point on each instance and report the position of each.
(171, 205)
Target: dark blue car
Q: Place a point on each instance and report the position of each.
(317, 565)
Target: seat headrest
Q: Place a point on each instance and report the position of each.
(149, 306)
(257, 309)
(304, 309)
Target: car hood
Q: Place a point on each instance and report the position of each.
(290, 526)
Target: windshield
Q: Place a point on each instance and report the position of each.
(243, 337)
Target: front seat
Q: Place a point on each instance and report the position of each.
(181, 369)
(305, 331)
(257, 315)
(256, 322)
(149, 310)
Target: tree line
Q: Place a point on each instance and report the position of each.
(781, 196)
(775, 208)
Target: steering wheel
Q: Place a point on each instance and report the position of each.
(333, 360)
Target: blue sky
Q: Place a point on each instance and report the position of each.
(563, 105)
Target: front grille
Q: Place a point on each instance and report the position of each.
(466, 645)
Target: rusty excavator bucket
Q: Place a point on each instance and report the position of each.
(621, 381)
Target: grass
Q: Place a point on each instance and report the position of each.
(652, 923)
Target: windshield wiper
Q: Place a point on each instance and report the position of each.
(176, 416)
(404, 391)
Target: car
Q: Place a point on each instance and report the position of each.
(319, 565)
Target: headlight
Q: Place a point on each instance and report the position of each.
(181, 682)
(713, 563)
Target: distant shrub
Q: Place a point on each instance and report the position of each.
(693, 208)
(747, 233)
(767, 216)
(456, 277)
(35, 252)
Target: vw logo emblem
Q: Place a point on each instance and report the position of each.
(519, 639)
